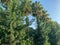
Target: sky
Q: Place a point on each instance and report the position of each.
(53, 8)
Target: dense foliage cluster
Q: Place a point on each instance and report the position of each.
(15, 24)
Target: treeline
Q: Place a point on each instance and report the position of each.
(15, 24)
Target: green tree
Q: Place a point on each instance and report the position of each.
(15, 24)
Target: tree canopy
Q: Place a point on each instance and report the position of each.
(15, 24)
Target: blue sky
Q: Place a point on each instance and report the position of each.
(53, 8)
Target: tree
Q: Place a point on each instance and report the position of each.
(52, 35)
(15, 24)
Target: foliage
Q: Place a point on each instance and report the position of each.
(15, 24)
